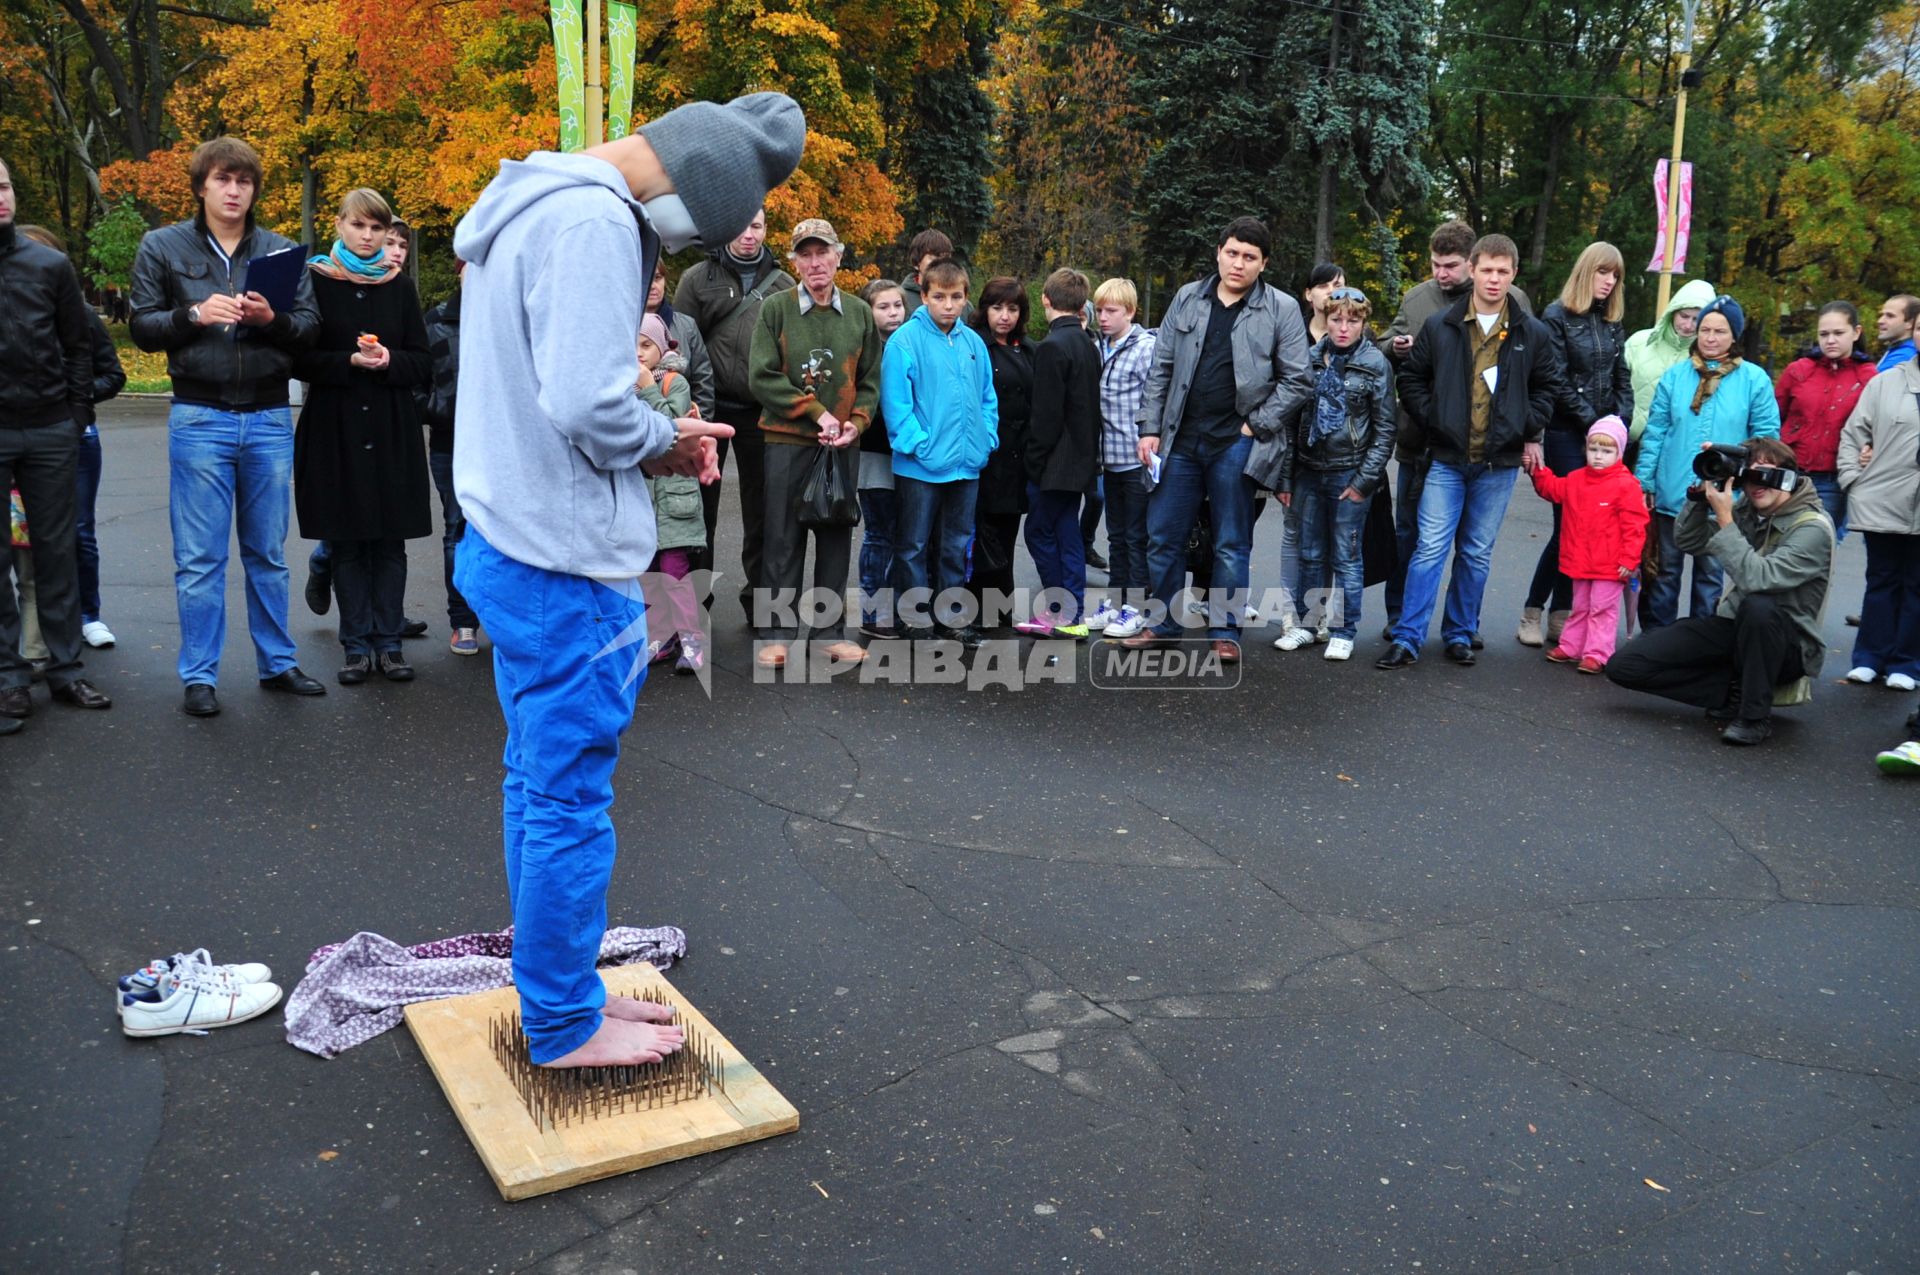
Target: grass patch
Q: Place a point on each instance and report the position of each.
(146, 373)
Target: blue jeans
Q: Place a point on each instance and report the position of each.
(1835, 499)
(569, 655)
(1126, 495)
(1460, 514)
(879, 528)
(1660, 596)
(1409, 483)
(440, 464)
(919, 560)
(230, 468)
(1219, 477)
(1331, 537)
(1059, 554)
(1889, 640)
(87, 494)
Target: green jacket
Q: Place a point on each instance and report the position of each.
(678, 520)
(1651, 351)
(1789, 555)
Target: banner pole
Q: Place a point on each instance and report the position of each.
(596, 126)
(1673, 168)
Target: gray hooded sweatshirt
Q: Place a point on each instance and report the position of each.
(550, 431)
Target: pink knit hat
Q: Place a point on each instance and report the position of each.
(1613, 427)
(655, 331)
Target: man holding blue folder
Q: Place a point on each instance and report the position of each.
(213, 293)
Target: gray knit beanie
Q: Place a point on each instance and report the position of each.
(724, 159)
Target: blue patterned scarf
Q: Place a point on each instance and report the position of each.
(1330, 394)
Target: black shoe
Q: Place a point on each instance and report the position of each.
(1460, 653)
(1853, 621)
(413, 628)
(11, 726)
(1725, 713)
(355, 670)
(319, 590)
(37, 670)
(880, 632)
(201, 701)
(1386, 634)
(967, 635)
(1747, 733)
(293, 682)
(16, 701)
(82, 694)
(1397, 657)
(394, 667)
(1095, 561)
(1477, 644)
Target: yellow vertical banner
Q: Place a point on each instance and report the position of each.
(622, 24)
(566, 61)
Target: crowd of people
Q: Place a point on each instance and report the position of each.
(930, 415)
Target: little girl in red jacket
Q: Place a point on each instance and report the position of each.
(1603, 528)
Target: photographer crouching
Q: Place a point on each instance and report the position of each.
(1762, 520)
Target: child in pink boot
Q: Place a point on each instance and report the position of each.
(1602, 531)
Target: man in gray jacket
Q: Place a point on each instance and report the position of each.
(1229, 370)
(552, 449)
(1776, 547)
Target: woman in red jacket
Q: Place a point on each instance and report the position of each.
(1816, 395)
(1603, 528)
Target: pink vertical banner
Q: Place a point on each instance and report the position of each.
(1686, 217)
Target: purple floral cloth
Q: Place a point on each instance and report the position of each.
(355, 990)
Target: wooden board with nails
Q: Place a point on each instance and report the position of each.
(528, 1158)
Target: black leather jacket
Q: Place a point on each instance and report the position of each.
(46, 348)
(1367, 441)
(1594, 378)
(176, 269)
(435, 400)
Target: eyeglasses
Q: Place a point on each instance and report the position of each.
(1348, 294)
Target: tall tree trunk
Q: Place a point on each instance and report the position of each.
(132, 117)
(1329, 163)
(1543, 208)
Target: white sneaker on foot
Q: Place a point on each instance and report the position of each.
(1129, 622)
(96, 634)
(1293, 639)
(1863, 675)
(1899, 682)
(1103, 615)
(197, 1000)
(1339, 649)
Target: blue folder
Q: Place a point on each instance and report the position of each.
(276, 277)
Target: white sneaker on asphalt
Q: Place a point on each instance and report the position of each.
(1899, 682)
(1293, 639)
(147, 983)
(96, 634)
(1103, 615)
(1339, 649)
(1127, 624)
(197, 1000)
(1863, 675)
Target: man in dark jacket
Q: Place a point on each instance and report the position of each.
(46, 401)
(436, 404)
(722, 295)
(1229, 371)
(1480, 381)
(230, 431)
(1063, 450)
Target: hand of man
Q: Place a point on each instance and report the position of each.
(1149, 448)
(693, 454)
(255, 310)
(1719, 498)
(843, 437)
(1403, 343)
(1354, 495)
(220, 309)
(1532, 456)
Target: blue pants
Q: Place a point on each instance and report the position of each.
(933, 536)
(1889, 640)
(1059, 554)
(229, 468)
(1186, 477)
(569, 655)
(1409, 483)
(86, 495)
(1834, 497)
(1660, 596)
(1460, 514)
(1331, 531)
(879, 528)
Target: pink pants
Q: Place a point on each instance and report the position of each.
(672, 608)
(1594, 626)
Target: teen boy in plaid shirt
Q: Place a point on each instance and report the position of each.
(1126, 356)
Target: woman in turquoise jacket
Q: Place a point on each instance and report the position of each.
(1711, 396)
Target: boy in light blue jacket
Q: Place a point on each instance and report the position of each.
(936, 396)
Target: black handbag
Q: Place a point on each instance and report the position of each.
(1379, 542)
(830, 499)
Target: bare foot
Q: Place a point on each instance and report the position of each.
(637, 1011)
(620, 1043)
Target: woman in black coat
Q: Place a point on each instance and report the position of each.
(359, 462)
(1001, 321)
(1590, 344)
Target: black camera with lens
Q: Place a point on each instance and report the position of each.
(1732, 462)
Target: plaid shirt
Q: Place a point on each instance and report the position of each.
(1123, 383)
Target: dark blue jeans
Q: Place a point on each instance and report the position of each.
(1127, 534)
(87, 494)
(879, 528)
(919, 562)
(1407, 486)
(1217, 475)
(1889, 640)
(1460, 515)
(1566, 451)
(1660, 596)
(1834, 497)
(1331, 536)
(370, 583)
(459, 614)
(1059, 554)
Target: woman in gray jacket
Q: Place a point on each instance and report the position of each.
(1880, 472)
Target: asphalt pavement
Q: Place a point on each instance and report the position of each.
(1488, 969)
